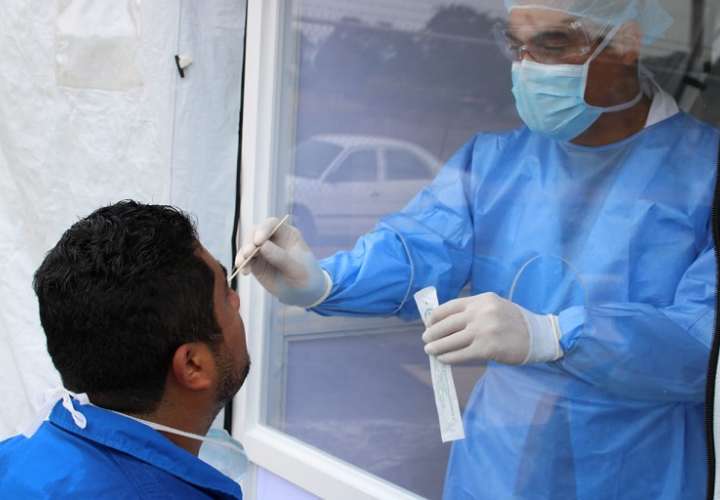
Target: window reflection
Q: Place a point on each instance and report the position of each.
(358, 166)
(314, 156)
(406, 166)
(344, 183)
(382, 95)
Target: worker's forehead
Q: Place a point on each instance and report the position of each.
(529, 21)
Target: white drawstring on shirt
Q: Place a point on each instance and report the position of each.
(51, 397)
(48, 402)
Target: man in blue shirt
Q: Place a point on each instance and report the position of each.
(145, 332)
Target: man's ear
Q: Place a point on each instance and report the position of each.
(193, 366)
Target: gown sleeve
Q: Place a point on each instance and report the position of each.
(643, 352)
(428, 243)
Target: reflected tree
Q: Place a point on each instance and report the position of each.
(463, 59)
(452, 59)
(435, 85)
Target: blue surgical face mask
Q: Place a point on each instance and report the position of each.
(225, 454)
(550, 98)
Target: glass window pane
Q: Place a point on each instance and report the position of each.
(404, 165)
(359, 166)
(313, 157)
(423, 156)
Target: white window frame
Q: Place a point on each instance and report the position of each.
(311, 469)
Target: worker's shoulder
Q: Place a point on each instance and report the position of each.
(695, 121)
(498, 139)
(54, 463)
(484, 145)
(689, 129)
(478, 153)
(692, 146)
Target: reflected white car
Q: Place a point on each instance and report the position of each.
(342, 184)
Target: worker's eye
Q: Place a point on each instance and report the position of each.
(551, 49)
(553, 38)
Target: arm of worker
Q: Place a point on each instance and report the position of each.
(429, 242)
(645, 352)
(630, 349)
(487, 327)
(285, 265)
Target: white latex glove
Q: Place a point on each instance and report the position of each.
(487, 327)
(285, 266)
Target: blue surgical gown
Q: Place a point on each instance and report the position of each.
(113, 457)
(616, 241)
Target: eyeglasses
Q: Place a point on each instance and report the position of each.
(551, 45)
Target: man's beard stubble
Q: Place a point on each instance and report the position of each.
(231, 378)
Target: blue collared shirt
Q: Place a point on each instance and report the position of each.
(112, 457)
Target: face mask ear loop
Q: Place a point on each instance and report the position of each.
(603, 45)
(586, 75)
(178, 432)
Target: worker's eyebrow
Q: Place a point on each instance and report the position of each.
(511, 37)
(512, 30)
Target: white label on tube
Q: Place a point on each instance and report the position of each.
(446, 400)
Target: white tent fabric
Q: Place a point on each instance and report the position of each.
(92, 110)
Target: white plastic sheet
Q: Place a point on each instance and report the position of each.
(66, 150)
(97, 44)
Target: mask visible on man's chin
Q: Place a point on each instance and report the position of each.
(225, 454)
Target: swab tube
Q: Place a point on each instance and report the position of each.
(446, 400)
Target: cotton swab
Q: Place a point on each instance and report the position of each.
(257, 249)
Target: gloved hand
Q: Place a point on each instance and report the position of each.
(285, 266)
(487, 327)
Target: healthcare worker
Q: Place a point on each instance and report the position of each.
(585, 240)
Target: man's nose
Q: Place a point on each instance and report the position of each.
(524, 53)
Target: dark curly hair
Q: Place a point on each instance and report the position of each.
(118, 294)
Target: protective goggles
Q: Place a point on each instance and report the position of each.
(555, 44)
